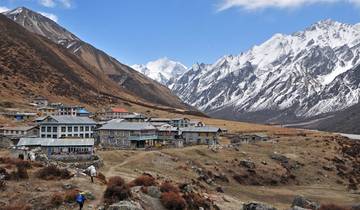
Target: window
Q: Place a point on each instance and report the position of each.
(69, 129)
(48, 136)
(54, 129)
(69, 135)
(63, 129)
(92, 128)
(48, 129)
(87, 128)
(87, 135)
(76, 128)
(63, 136)
(17, 132)
(42, 128)
(81, 135)
(42, 135)
(82, 128)
(55, 136)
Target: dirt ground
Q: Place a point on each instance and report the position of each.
(307, 152)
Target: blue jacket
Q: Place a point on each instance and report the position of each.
(80, 198)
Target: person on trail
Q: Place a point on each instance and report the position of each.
(80, 199)
(92, 171)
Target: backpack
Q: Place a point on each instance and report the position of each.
(80, 198)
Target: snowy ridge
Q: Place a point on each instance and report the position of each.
(303, 74)
(162, 70)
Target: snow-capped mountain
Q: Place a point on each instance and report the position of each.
(288, 77)
(163, 70)
(44, 26)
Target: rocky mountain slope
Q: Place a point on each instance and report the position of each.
(128, 79)
(162, 70)
(287, 78)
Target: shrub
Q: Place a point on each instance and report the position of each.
(116, 181)
(173, 201)
(168, 187)
(195, 201)
(143, 180)
(333, 207)
(51, 172)
(115, 193)
(70, 196)
(116, 190)
(21, 171)
(56, 200)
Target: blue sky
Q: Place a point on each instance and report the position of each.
(190, 31)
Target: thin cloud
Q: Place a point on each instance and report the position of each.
(282, 4)
(3, 9)
(54, 3)
(50, 16)
(47, 3)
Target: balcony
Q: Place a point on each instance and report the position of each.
(142, 137)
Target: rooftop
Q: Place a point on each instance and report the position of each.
(69, 120)
(119, 110)
(132, 126)
(20, 128)
(54, 142)
(206, 129)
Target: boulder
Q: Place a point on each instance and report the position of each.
(257, 206)
(247, 164)
(297, 208)
(303, 202)
(154, 191)
(125, 205)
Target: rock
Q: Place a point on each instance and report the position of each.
(39, 189)
(356, 207)
(89, 196)
(154, 191)
(297, 208)
(68, 186)
(303, 202)
(125, 205)
(247, 164)
(257, 206)
(219, 189)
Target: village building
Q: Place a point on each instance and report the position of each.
(20, 131)
(159, 120)
(83, 113)
(166, 133)
(66, 110)
(180, 122)
(133, 118)
(47, 111)
(250, 138)
(196, 123)
(114, 113)
(19, 116)
(59, 149)
(200, 135)
(67, 126)
(127, 135)
(40, 101)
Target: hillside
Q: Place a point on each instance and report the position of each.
(127, 79)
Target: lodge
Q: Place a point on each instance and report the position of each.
(127, 135)
(65, 149)
(67, 126)
(200, 135)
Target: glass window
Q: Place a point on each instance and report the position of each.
(54, 129)
(82, 135)
(48, 136)
(69, 135)
(62, 135)
(69, 129)
(63, 129)
(76, 128)
(48, 129)
(87, 135)
(82, 128)
(55, 136)
(76, 135)
(42, 128)
(87, 128)
(92, 128)
(42, 135)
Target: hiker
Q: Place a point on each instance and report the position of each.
(80, 199)
(92, 171)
